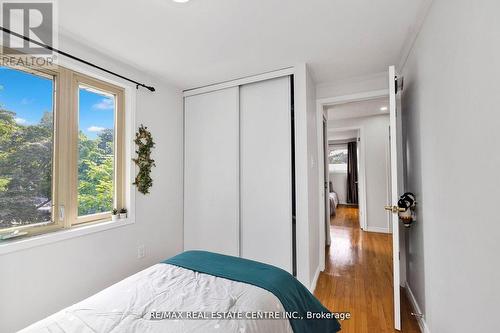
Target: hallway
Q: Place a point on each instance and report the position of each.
(358, 277)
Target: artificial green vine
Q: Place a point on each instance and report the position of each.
(144, 142)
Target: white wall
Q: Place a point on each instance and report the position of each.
(307, 187)
(37, 282)
(375, 130)
(376, 81)
(451, 118)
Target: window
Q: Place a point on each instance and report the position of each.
(100, 175)
(95, 151)
(26, 148)
(61, 150)
(337, 158)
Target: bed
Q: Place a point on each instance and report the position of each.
(334, 202)
(197, 291)
(333, 199)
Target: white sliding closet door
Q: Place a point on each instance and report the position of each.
(211, 172)
(265, 172)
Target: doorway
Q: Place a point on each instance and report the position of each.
(362, 234)
(343, 169)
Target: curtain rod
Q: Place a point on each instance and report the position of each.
(48, 47)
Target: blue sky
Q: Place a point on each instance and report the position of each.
(29, 96)
(96, 112)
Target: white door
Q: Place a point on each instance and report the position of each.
(266, 176)
(397, 186)
(326, 185)
(211, 172)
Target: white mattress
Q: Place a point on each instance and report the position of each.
(127, 305)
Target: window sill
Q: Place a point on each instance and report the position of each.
(56, 236)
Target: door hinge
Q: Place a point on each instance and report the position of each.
(417, 315)
(398, 84)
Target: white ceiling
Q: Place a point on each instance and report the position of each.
(358, 109)
(208, 41)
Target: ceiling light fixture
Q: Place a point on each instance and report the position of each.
(180, 1)
(384, 108)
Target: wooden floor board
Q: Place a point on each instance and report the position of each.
(358, 278)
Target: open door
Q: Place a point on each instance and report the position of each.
(397, 186)
(326, 185)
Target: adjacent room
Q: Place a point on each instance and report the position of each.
(359, 159)
(265, 166)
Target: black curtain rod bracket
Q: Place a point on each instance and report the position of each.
(48, 47)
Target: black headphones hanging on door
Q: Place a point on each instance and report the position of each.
(407, 204)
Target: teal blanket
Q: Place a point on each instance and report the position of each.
(292, 294)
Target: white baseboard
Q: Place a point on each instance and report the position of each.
(413, 302)
(378, 229)
(314, 280)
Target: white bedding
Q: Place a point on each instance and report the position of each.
(127, 305)
(334, 202)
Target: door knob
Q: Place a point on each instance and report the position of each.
(394, 209)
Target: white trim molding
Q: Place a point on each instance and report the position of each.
(320, 105)
(357, 97)
(315, 280)
(378, 229)
(57, 236)
(240, 81)
(416, 309)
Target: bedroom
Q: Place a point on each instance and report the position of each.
(254, 177)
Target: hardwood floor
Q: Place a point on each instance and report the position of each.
(358, 278)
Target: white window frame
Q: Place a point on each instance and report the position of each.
(336, 147)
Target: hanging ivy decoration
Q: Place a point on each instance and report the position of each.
(144, 142)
